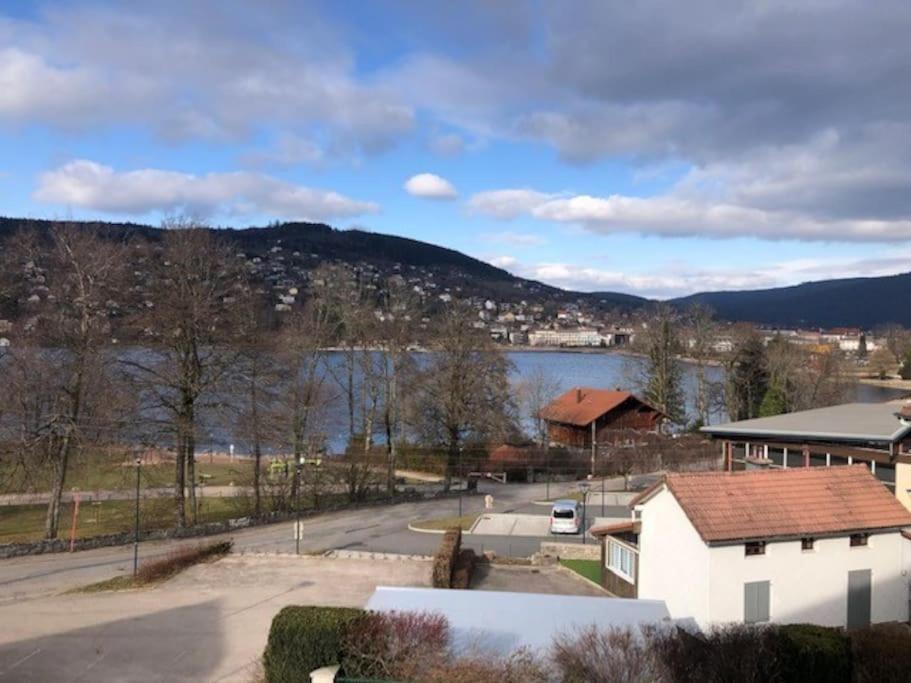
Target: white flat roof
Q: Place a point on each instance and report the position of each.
(501, 622)
(872, 422)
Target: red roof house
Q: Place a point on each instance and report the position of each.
(583, 412)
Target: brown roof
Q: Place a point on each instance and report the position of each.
(580, 406)
(728, 506)
(631, 526)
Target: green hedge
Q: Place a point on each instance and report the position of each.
(306, 638)
(814, 653)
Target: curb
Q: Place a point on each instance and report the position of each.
(439, 532)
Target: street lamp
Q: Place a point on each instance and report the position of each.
(584, 487)
(298, 467)
(136, 527)
(460, 482)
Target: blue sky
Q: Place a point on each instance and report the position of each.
(641, 147)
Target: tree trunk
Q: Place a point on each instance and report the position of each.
(180, 477)
(191, 473)
(52, 520)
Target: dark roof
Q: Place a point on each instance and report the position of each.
(761, 504)
(580, 406)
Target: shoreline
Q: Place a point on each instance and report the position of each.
(891, 383)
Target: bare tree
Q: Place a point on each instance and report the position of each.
(393, 364)
(661, 373)
(197, 291)
(58, 371)
(462, 393)
(535, 391)
(703, 331)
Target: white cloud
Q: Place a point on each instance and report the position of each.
(507, 204)
(289, 150)
(90, 185)
(676, 279)
(503, 261)
(158, 65)
(430, 186)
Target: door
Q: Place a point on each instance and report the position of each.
(859, 598)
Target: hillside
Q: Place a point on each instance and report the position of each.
(856, 302)
(285, 252)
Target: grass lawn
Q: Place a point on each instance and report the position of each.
(115, 473)
(590, 569)
(22, 523)
(443, 523)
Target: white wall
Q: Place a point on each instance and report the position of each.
(707, 583)
(811, 586)
(673, 560)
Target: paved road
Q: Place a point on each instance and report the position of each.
(377, 529)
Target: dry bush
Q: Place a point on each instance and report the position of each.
(882, 654)
(395, 646)
(179, 559)
(520, 667)
(445, 559)
(463, 569)
(592, 655)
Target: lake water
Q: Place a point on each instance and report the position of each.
(603, 370)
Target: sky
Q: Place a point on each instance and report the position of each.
(654, 148)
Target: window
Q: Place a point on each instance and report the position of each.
(621, 560)
(859, 540)
(807, 543)
(756, 602)
(754, 548)
(564, 514)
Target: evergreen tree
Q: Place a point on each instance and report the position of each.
(747, 378)
(663, 379)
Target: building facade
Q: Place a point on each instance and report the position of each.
(805, 546)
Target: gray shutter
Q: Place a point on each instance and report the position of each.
(755, 602)
(859, 598)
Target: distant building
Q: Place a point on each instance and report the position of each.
(876, 434)
(819, 546)
(583, 416)
(567, 338)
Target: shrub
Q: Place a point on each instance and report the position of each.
(179, 559)
(809, 652)
(520, 667)
(463, 569)
(735, 652)
(445, 558)
(395, 645)
(306, 638)
(606, 656)
(881, 654)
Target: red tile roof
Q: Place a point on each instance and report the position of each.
(757, 504)
(580, 406)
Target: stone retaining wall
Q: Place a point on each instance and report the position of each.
(572, 551)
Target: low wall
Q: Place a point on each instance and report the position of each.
(572, 551)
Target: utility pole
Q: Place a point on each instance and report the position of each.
(460, 481)
(136, 525)
(298, 466)
(594, 446)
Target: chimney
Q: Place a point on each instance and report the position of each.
(578, 395)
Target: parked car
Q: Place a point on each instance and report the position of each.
(566, 517)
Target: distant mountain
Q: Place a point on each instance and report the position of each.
(857, 302)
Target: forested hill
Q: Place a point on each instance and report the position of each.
(856, 302)
(287, 249)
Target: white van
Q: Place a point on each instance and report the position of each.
(566, 517)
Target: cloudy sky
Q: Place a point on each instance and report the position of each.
(656, 148)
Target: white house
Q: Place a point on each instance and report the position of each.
(810, 545)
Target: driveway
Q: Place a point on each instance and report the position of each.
(208, 624)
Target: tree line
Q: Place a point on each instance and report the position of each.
(211, 348)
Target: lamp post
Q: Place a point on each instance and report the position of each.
(584, 487)
(460, 482)
(136, 526)
(298, 466)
